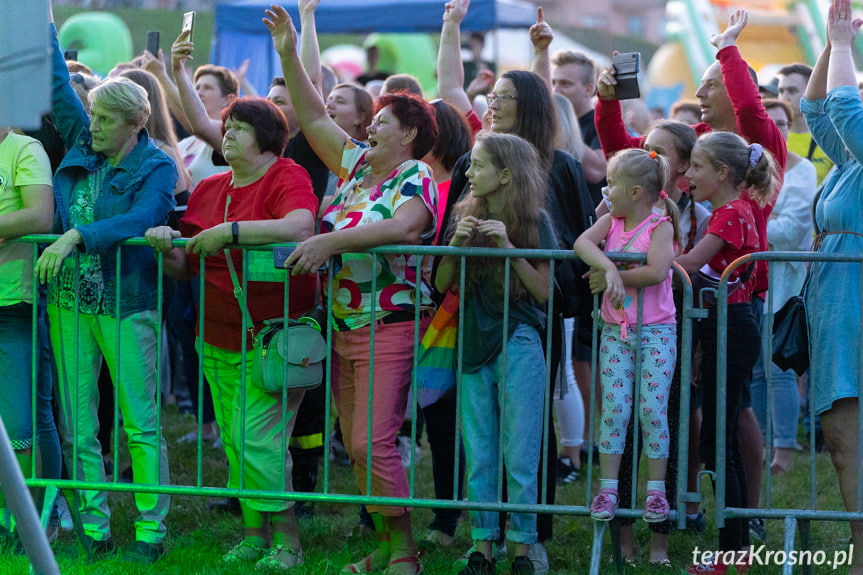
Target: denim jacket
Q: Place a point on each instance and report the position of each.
(137, 194)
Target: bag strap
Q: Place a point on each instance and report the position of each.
(238, 293)
(812, 147)
(644, 225)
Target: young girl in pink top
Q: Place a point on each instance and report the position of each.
(642, 219)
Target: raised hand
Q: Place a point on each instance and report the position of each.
(181, 51)
(841, 26)
(606, 82)
(280, 25)
(736, 24)
(541, 34)
(455, 11)
(305, 6)
(154, 64)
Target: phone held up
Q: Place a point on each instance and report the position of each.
(189, 24)
(626, 67)
(153, 43)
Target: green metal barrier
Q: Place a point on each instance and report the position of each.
(258, 266)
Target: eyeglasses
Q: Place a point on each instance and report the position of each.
(501, 99)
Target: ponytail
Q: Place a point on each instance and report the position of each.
(672, 212)
(759, 175)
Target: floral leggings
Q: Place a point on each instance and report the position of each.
(617, 368)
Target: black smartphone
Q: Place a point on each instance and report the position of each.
(70, 55)
(626, 67)
(153, 43)
(280, 256)
(189, 24)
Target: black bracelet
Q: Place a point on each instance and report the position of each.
(235, 229)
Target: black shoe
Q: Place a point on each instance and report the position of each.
(522, 565)
(95, 549)
(757, 530)
(477, 564)
(144, 553)
(227, 505)
(566, 473)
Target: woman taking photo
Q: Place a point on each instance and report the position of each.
(386, 196)
(112, 185)
(263, 199)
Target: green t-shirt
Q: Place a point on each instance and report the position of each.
(23, 162)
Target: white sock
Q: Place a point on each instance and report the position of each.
(609, 484)
(656, 486)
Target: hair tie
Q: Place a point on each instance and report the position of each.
(755, 152)
(653, 154)
(663, 195)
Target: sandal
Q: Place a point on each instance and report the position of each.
(281, 558)
(397, 563)
(242, 552)
(366, 565)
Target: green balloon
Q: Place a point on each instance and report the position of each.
(102, 39)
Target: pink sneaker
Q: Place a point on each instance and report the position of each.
(604, 505)
(657, 508)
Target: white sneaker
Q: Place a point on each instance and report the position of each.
(498, 553)
(403, 444)
(537, 555)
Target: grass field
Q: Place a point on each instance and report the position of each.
(197, 538)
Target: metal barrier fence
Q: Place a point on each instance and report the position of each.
(793, 518)
(258, 266)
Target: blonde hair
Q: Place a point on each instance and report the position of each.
(649, 170)
(569, 132)
(521, 209)
(124, 96)
(752, 166)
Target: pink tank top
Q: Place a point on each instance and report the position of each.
(658, 301)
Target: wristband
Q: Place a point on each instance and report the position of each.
(235, 230)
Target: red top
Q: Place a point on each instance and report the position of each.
(753, 124)
(735, 225)
(475, 123)
(284, 188)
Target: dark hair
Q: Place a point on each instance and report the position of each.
(228, 83)
(159, 125)
(278, 81)
(271, 128)
(683, 134)
(727, 149)
(402, 83)
(770, 103)
(413, 112)
(454, 136)
(363, 102)
(802, 69)
(535, 119)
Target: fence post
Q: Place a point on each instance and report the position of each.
(21, 504)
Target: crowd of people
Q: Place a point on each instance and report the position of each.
(531, 159)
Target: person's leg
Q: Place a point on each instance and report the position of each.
(547, 464)
(480, 419)
(50, 457)
(78, 363)
(132, 362)
(840, 424)
(785, 405)
(16, 360)
(440, 420)
(523, 399)
(569, 409)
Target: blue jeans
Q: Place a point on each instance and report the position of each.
(16, 361)
(509, 417)
(784, 403)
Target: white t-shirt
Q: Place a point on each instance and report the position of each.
(198, 158)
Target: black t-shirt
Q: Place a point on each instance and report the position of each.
(300, 151)
(591, 140)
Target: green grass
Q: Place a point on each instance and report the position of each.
(197, 539)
